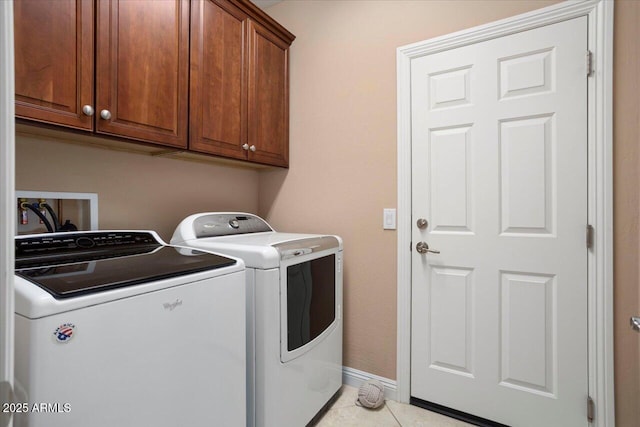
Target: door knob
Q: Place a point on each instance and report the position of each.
(105, 114)
(635, 323)
(422, 223)
(423, 248)
(252, 148)
(88, 110)
(245, 146)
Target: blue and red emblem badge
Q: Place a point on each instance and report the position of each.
(64, 332)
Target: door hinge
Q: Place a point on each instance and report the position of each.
(591, 409)
(589, 236)
(589, 61)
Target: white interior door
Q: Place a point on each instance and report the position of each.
(499, 171)
(7, 206)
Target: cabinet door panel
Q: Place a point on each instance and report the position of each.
(218, 79)
(268, 97)
(142, 69)
(54, 80)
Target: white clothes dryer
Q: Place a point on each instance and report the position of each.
(116, 328)
(294, 312)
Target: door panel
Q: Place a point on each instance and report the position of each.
(499, 164)
(528, 325)
(142, 70)
(451, 324)
(268, 97)
(451, 189)
(218, 79)
(527, 175)
(54, 81)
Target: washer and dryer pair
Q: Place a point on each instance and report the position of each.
(119, 328)
(293, 309)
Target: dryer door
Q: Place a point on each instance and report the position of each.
(309, 302)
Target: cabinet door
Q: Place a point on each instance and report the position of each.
(268, 109)
(54, 61)
(142, 70)
(217, 120)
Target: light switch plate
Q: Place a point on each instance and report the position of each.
(389, 219)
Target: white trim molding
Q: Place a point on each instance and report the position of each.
(8, 209)
(355, 378)
(600, 209)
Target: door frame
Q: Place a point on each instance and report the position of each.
(600, 185)
(7, 203)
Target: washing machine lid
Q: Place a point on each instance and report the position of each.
(74, 264)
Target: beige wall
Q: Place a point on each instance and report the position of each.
(343, 157)
(626, 129)
(134, 190)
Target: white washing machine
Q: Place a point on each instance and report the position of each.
(294, 312)
(118, 329)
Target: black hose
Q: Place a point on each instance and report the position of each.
(54, 217)
(42, 217)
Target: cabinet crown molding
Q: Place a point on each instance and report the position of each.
(264, 19)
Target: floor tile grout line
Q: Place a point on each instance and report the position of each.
(392, 414)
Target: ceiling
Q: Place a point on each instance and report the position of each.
(263, 4)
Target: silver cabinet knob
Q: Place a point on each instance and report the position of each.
(635, 323)
(422, 223)
(88, 110)
(252, 148)
(105, 114)
(245, 146)
(423, 248)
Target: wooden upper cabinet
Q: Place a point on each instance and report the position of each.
(239, 105)
(218, 104)
(268, 103)
(210, 75)
(54, 61)
(142, 70)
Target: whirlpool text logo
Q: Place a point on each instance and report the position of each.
(172, 305)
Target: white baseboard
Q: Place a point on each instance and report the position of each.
(355, 378)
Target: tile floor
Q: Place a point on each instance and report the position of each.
(345, 413)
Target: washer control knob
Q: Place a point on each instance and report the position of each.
(234, 224)
(85, 242)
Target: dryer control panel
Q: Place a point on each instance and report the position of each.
(226, 224)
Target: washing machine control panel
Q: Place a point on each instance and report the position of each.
(225, 224)
(30, 250)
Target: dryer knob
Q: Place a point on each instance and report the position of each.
(234, 224)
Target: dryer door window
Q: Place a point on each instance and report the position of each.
(311, 300)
